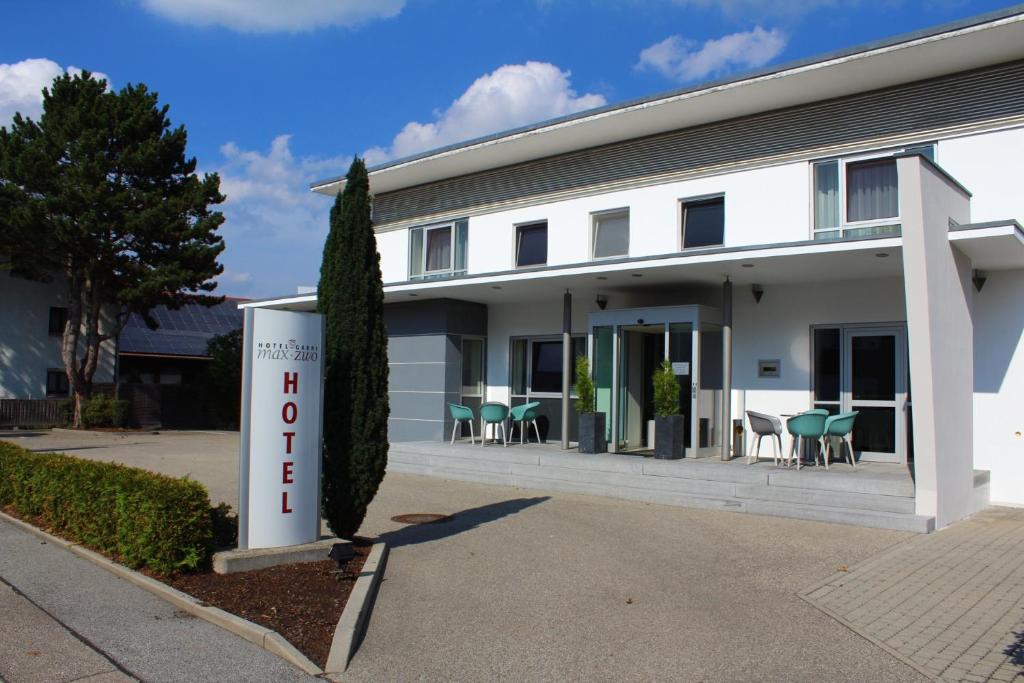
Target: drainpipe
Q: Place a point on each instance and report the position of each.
(566, 365)
(726, 433)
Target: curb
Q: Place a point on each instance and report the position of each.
(258, 635)
(352, 624)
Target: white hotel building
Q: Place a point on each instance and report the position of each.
(826, 233)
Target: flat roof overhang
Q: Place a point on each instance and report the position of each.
(994, 246)
(807, 261)
(968, 44)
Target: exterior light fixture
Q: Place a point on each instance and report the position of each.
(637, 274)
(758, 292)
(747, 265)
(602, 301)
(601, 277)
(978, 278)
(495, 287)
(413, 294)
(881, 254)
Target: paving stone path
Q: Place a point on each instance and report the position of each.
(950, 604)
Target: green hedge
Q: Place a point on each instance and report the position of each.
(103, 411)
(143, 518)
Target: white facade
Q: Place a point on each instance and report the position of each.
(874, 256)
(28, 352)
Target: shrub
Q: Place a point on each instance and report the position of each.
(666, 391)
(103, 411)
(584, 387)
(145, 519)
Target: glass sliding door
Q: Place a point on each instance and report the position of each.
(875, 368)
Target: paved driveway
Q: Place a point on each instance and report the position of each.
(529, 586)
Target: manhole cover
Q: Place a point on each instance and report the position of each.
(420, 518)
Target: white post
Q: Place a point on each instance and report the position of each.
(939, 299)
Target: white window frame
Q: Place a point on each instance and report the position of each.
(427, 229)
(594, 216)
(844, 161)
(515, 242)
(681, 211)
(530, 339)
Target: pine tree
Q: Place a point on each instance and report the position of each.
(351, 297)
(99, 193)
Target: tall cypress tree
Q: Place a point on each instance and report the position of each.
(351, 297)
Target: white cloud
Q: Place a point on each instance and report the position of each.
(759, 9)
(268, 16)
(22, 83)
(274, 226)
(510, 96)
(685, 60)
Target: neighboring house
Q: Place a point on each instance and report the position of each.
(161, 371)
(32, 319)
(819, 234)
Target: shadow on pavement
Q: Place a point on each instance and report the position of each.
(1015, 651)
(16, 433)
(460, 522)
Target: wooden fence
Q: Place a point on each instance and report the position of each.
(24, 412)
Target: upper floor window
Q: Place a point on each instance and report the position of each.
(610, 234)
(57, 383)
(438, 250)
(703, 222)
(858, 197)
(58, 320)
(532, 244)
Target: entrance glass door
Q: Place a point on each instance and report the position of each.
(628, 345)
(875, 386)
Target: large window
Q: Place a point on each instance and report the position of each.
(703, 222)
(536, 366)
(57, 383)
(531, 244)
(858, 197)
(58, 320)
(610, 234)
(438, 250)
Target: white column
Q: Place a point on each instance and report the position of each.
(939, 299)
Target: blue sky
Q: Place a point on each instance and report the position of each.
(276, 94)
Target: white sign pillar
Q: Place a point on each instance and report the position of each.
(282, 400)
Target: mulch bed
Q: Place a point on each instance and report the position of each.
(302, 602)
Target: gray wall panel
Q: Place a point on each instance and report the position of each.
(418, 377)
(969, 97)
(414, 430)
(421, 406)
(430, 348)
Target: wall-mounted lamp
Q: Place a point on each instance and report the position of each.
(758, 292)
(978, 278)
(602, 301)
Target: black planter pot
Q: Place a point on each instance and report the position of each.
(591, 433)
(670, 437)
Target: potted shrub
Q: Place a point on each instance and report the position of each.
(591, 423)
(669, 424)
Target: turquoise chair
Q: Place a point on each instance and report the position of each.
(493, 414)
(839, 428)
(523, 414)
(461, 414)
(809, 425)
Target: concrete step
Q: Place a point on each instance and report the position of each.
(838, 499)
(836, 515)
(527, 480)
(861, 480)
